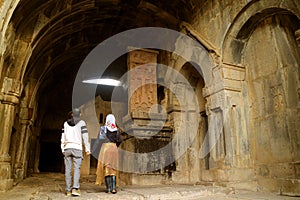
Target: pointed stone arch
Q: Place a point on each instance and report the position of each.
(273, 23)
(244, 24)
(192, 113)
(194, 63)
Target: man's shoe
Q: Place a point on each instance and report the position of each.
(68, 193)
(75, 192)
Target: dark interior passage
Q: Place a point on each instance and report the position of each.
(51, 158)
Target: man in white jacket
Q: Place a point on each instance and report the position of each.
(73, 133)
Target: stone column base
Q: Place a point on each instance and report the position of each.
(6, 184)
(19, 174)
(5, 173)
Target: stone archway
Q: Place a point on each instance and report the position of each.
(273, 81)
(14, 127)
(41, 42)
(262, 42)
(193, 61)
(190, 164)
(245, 23)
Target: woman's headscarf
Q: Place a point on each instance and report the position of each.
(110, 123)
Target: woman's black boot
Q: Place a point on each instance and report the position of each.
(114, 187)
(108, 184)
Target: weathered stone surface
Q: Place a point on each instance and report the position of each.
(234, 122)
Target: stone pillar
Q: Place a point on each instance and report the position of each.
(22, 152)
(229, 160)
(7, 115)
(34, 152)
(185, 116)
(144, 125)
(9, 98)
(142, 93)
(142, 88)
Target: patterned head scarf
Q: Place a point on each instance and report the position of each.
(110, 123)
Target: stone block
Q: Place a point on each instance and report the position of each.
(233, 73)
(125, 178)
(147, 179)
(297, 170)
(232, 85)
(240, 174)
(180, 177)
(282, 170)
(6, 184)
(268, 185)
(278, 170)
(214, 175)
(243, 185)
(290, 187)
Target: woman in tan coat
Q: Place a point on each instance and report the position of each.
(108, 156)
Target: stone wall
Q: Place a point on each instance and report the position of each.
(216, 15)
(267, 97)
(272, 63)
(251, 58)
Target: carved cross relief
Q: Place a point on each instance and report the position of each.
(142, 88)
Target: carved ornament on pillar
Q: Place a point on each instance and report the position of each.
(216, 57)
(26, 115)
(297, 35)
(226, 77)
(143, 119)
(10, 91)
(142, 88)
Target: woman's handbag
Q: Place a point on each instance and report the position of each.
(101, 138)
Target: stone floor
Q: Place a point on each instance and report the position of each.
(46, 186)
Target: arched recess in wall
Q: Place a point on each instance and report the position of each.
(17, 52)
(187, 49)
(197, 84)
(194, 63)
(262, 40)
(196, 67)
(244, 24)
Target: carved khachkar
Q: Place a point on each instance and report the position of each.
(146, 128)
(142, 88)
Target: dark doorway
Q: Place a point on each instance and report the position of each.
(51, 158)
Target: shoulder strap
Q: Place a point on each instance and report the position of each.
(103, 130)
(102, 134)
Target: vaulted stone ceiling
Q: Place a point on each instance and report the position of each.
(62, 33)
